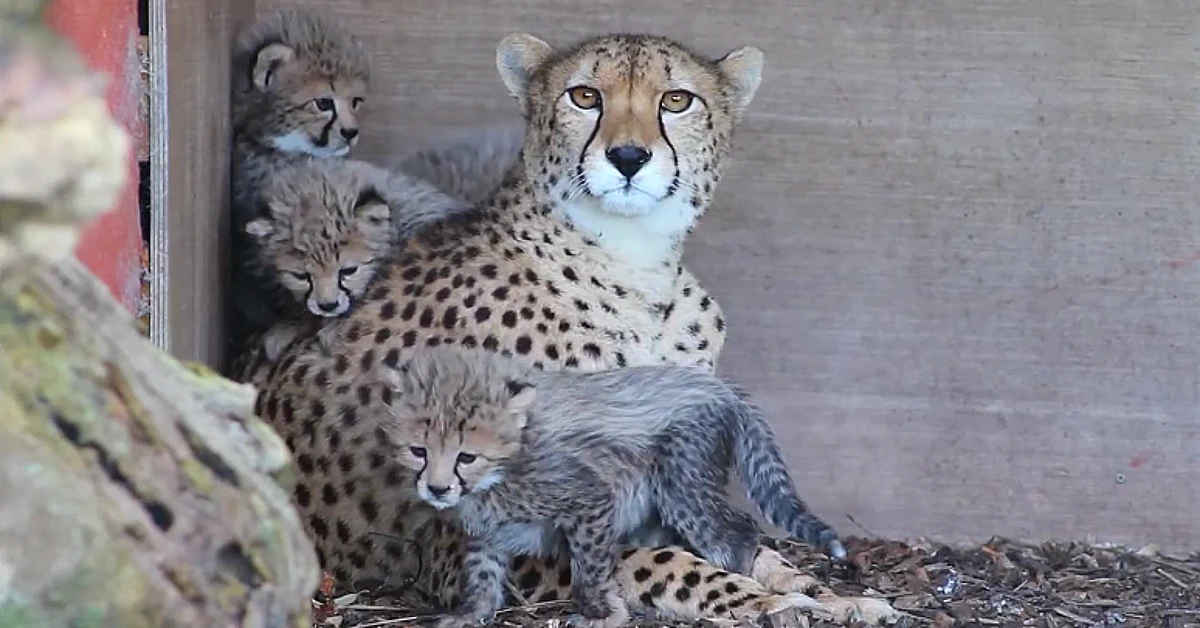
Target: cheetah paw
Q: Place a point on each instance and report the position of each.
(873, 611)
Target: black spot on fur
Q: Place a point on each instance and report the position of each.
(319, 527)
(488, 270)
(388, 311)
(664, 557)
(369, 508)
(509, 319)
(450, 317)
(303, 496)
(642, 574)
(524, 345)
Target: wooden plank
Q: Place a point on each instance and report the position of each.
(191, 43)
(957, 247)
(105, 33)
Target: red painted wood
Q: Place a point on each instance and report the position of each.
(105, 33)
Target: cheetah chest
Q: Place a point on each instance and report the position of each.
(554, 305)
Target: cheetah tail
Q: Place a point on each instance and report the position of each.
(769, 485)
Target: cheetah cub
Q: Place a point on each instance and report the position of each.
(324, 227)
(543, 463)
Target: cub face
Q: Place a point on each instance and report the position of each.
(455, 439)
(323, 232)
(633, 123)
(306, 81)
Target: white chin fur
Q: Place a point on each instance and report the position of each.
(342, 305)
(299, 142)
(441, 503)
(645, 238)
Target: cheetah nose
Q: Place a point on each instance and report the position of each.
(328, 307)
(628, 159)
(349, 134)
(438, 491)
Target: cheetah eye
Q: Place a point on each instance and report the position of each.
(465, 458)
(302, 276)
(584, 97)
(417, 451)
(677, 101)
(357, 102)
(324, 104)
(348, 271)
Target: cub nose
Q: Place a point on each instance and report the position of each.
(628, 159)
(438, 491)
(328, 306)
(349, 134)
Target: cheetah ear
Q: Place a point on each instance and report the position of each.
(743, 69)
(517, 56)
(523, 396)
(260, 228)
(372, 208)
(267, 62)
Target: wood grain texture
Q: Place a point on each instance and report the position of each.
(957, 247)
(191, 43)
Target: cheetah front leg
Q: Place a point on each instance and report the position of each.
(592, 543)
(483, 570)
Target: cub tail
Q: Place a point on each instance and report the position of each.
(769, 485)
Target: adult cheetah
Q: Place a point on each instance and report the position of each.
(574, 262)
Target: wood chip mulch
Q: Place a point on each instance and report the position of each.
(1000, 583)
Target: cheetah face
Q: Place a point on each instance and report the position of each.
(629, 126)
(314, 113)
(456, 440)
(323, 234)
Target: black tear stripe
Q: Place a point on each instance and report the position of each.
(583, 153)
(662, 131)
(323, 140)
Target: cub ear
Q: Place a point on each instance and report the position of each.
(522, 396)
(372, 208)
(260, 228)
(267, 63)
(743, 69)
(517, 56)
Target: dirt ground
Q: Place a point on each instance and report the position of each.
(1000, 583)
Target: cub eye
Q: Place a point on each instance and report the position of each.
(466, 458)
(302, 276)
(417, 451)
(677, 101)
(584, 97)
(347, 271)
(324, 104)
(357, 102)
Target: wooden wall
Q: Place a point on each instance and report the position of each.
(958, 249)
(191, 44)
